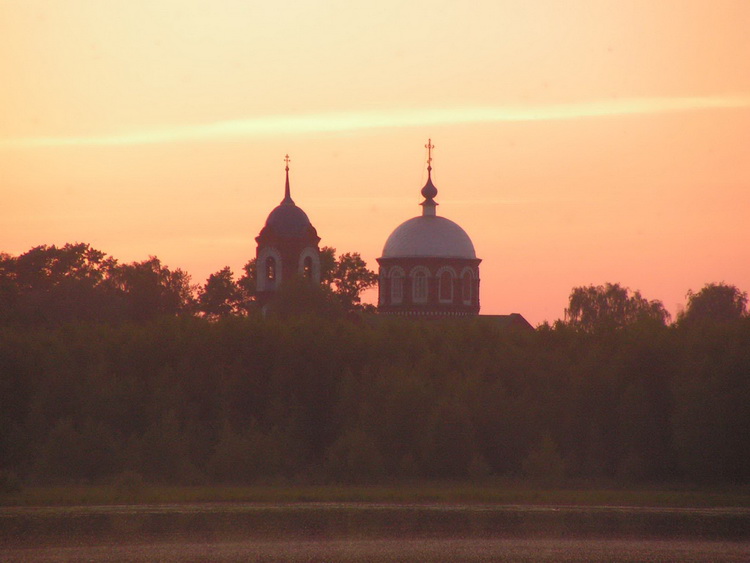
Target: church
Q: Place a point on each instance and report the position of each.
(428, 267)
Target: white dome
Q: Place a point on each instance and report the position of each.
(429, 236)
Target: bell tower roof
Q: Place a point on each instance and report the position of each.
(287, 220)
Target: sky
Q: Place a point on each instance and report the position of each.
(577, 142)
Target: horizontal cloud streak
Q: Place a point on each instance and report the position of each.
(356, 121)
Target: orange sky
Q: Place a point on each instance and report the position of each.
(576, 142)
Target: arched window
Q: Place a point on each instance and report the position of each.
(419, 289)
(466, 283)
(307, 268)
(397, 286)
(446, 287)
(270, 271)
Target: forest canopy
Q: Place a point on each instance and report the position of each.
(109, 370)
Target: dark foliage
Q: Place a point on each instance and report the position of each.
(715, 303)
(50, 285)
(108, 374)
(245, 399)
(220, 296)
(610, 307)
(347, 277)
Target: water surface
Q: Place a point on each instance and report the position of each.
(372, 532)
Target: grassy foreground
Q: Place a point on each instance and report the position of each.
(503, 494)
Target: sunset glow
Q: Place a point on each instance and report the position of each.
(576, 142)
(422, 117)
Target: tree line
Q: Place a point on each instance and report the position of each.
(612, 391)
(75, 282)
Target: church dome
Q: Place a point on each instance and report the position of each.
(429, 236)
(287, 221)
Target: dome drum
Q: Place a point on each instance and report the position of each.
(429, 286)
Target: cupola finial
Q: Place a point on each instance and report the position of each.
(429, 191)
(287, 191)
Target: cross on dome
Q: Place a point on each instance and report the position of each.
(429, 191)
(287, 191)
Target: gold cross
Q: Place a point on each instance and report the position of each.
(429, 146)
(287, 159)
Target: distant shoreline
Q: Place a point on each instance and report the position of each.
(418, 493)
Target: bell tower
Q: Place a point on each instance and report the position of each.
(287, 246)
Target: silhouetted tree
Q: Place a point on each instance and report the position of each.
(246, 285)
(45, 267)
(327, 265)
(716, 302)
(150, 289)
(611, 306)
(347, 276)
(220, 296)
(48, 284)
(51, 284)
(9, 290)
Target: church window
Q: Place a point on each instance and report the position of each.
(397, 287)
(466, 280)
(446, 287)
(307, 267)
(271, 269)
(420, 287)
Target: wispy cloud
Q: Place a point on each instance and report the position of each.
(356, 121)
